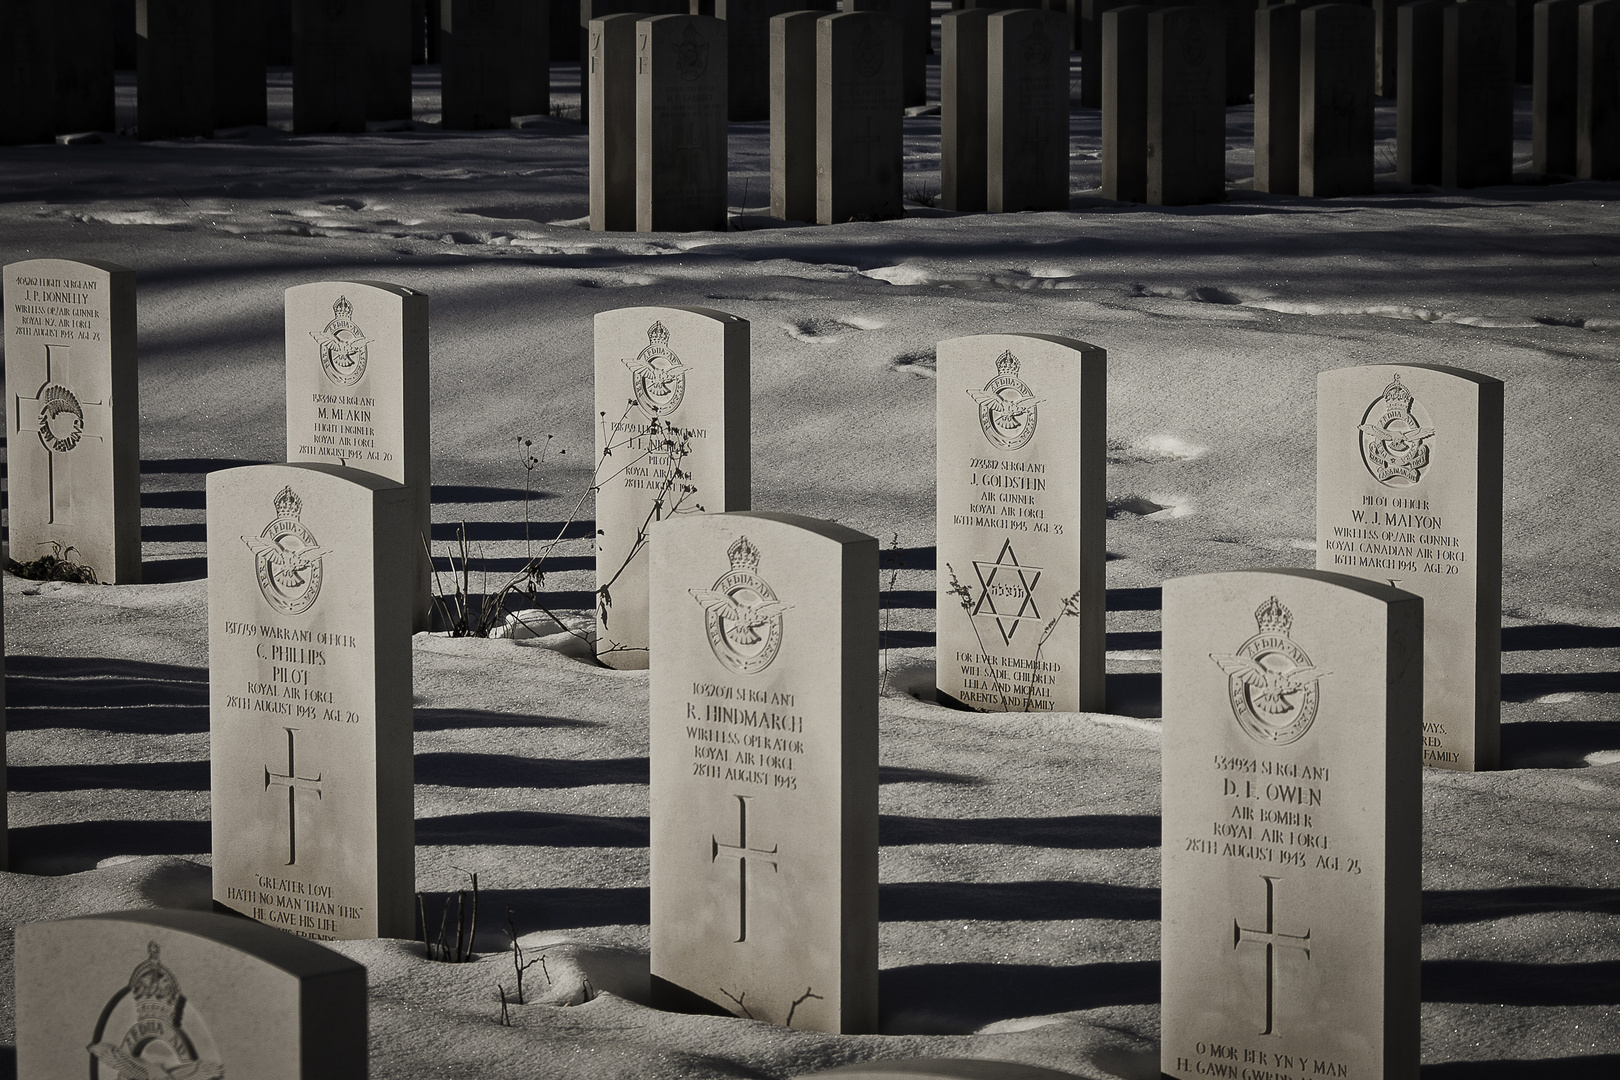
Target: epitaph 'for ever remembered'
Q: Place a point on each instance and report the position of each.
(193, 994)
(1292, 827)
(763, 743)
(309, 660)
(357, 393)
(1022, 433)
(73, 434)
(1409, 491)
(672, 416)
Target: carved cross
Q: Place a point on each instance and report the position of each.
(741, 851)
(294, 784)
(57, 421)
(1272, 940)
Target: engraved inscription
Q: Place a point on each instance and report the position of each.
(63, 422)
(1010, 598)
(1271, 684)
(742, 614)
(287, 558)
(657, 376)
(1007, 413)
(342, 345)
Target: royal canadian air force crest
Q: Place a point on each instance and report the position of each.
(1007, 411)
(657, 375)
(1270, 682)
(1394, 437)
(156, 1045)
(287, 558)
(343, 345)
(742, 614)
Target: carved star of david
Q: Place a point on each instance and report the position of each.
(1008, 566)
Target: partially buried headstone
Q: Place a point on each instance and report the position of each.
(1292, 809)
(309, 660)
(680, 123)
(1335, 101)
(858, 118)
(1476, 147)
(474, 42)
(1276, 99)
(793, 115)
(357, 394)
(964, 100)
(671, 438)
(1028, 148)
(174, 96)
(155, 993)
(1019, 611)
(1124, 104)
(72, 392)
(763, 740)
(1186, 106)
(610, 61)
(1409, 491)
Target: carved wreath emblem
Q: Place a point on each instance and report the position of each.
(657, 375)
(287, 558)
(1271, 683)
(868, 53)
(691, 55)
(742, 614)
(61, 419)
(343, 345)
(1393, 437)
(1007, 413)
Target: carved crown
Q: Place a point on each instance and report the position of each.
(1396, 394)
(288, 504)
(342, 309)
(1273, 617)
(1007, 363)
(743, 555)
(657, 334)
(154, 988)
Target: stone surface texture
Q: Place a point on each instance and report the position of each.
(1476, 136)
(1186, 106)
(1019, 606)
(1420, 100)
(1292, 806)
(156, 992)
(1028, 112)
(73, 397)
(1335, 101)
(174, 68)
(681, 128)
(964, 100)
(475, 47)
(611, 57)
(764, 769)
(1409, 489)
(329, 79)
(666, 378)
(309, 659)
(793, 115)
(1597, 104)
(1276, 99)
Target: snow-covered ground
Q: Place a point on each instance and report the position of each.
(1020, 854)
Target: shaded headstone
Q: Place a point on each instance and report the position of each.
(309, 661)
(1420, 100)
(1557, 56)
(1597, 92)
(84, 69)
(793, 115)
(278, 20)
(1091, 44)
(1292, 810)
(357, 394)
(1524, 30)
(1239, 31)
(1386, 47)
(913, 20)
(28, 73)
(1409, 491)
(671, 397)
(159, 992)
(1276, 99)
(1335, 101)
(1124, 104)
(239, 65)
(73, 397)
(858, 118)
(124, 35)
(748, 53)
(1186, 110)
(388, 44)
(476, 78)
(1476, 139)
(763, 743)
(329, 79)
(939, 1069)
(599, 9)
(174, 45)
(964, 101)
(1028, 112)
(530, 58)
(1020, 507)
(681, 129)
(566, 36)
(611, 59)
